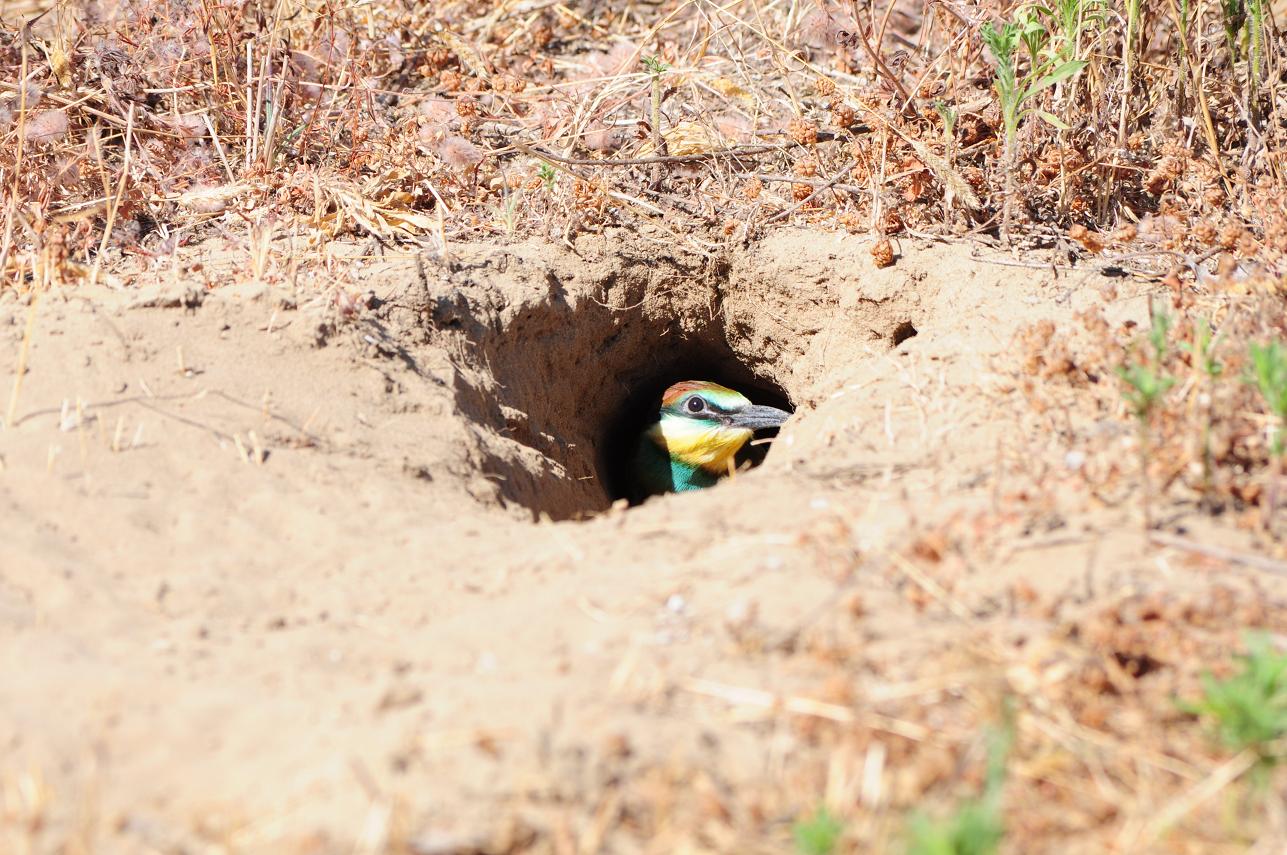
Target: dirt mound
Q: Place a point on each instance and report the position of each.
(279, 580)
(562, 356)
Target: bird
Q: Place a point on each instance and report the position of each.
(700, 428)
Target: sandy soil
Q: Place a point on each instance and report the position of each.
(336, 567)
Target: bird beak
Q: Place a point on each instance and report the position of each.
(756, 417)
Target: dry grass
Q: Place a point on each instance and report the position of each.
(143, 126)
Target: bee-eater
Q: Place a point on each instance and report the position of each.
(701, 426)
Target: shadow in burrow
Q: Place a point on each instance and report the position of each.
(560, 380)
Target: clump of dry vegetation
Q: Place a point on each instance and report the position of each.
(139, 126)
(1138, 722)
(1202, 382)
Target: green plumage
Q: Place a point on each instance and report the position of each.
(700, 428)
(657, 472)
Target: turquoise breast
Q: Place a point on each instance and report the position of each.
(655, 472)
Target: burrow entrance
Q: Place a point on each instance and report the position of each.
(561, 356)
(639, 409)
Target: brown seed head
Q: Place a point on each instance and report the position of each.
(1230, 235)
(1205, 233)
(438, 58)
(1126, 233)
(882, 253)
(1090, 241)
(892, 222)
(803, 132)
(450, 81)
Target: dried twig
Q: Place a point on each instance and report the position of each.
(115, 204)
(1219, 553)
(798, 705)
(1224, 775)
(742, 151)
(819, 188)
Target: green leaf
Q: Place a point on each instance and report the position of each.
(1202, 349)
(818, 834)
(1144, 388)
(1249, 709)
(654, 65)
(1159, 328)
(1269, 374)
(1001, 43)
(1063, 72)
(975, 828)
(546, 173)
(1054, 120)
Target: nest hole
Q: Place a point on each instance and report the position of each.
(902, 333)
(561, 369)
(639, 408)
(563, 389)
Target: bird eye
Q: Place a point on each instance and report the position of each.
(696, 404)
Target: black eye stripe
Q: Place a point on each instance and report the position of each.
(700, 407)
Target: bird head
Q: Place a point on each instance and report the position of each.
(704, 424)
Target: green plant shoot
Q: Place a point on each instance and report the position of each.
(1202, 353)
(1202, 349)
(1146, 386)
(819, 834)
(1070, 19)
(1249, 709)
(1269, 374)
(1015, 93)
(977, 826)
(654, 65)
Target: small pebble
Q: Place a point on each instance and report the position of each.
(741, 614)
